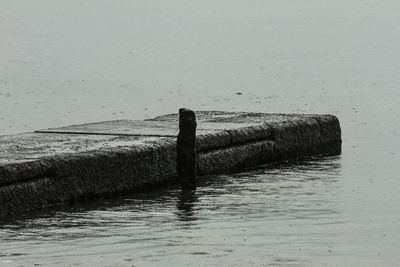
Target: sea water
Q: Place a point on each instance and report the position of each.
(70, 62)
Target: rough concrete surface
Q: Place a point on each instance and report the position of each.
(64, 165)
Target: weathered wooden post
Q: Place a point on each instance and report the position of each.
(186, 149)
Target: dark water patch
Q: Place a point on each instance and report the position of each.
(229, 211)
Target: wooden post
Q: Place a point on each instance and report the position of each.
(186, 149)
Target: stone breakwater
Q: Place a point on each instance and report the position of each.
(74, 163)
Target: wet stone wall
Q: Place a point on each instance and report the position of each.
(67, 178)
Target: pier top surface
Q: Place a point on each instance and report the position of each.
(28, 147)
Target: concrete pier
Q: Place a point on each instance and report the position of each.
(64, 165)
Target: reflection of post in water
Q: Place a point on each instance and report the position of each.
(185, 206)
(186, 149)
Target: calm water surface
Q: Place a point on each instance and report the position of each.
(68, 62)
